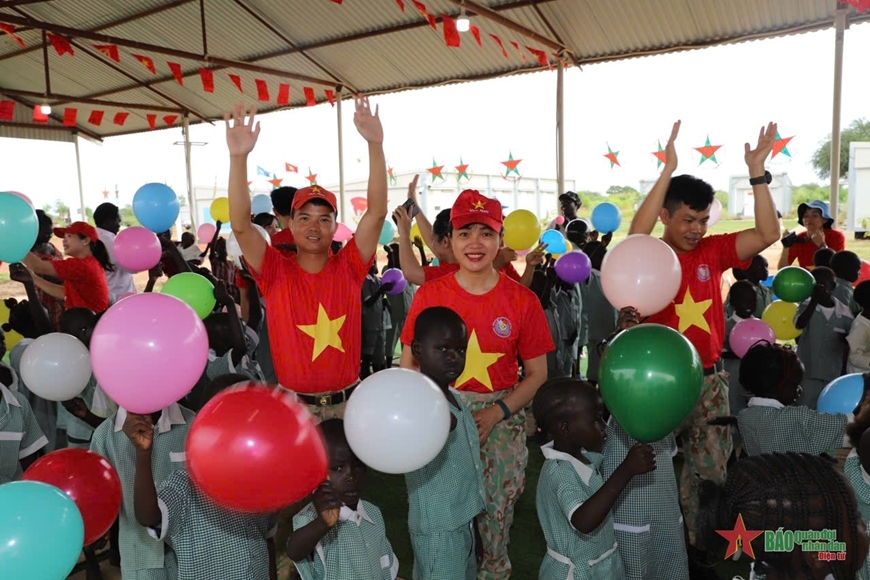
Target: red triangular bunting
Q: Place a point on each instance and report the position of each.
(120, 118)
(10, 30)
(109, 51)
(283, 94)
(69, 117)
(95, 118)
(309, 97)
(7, 110)
(451, 35)
(500, 45)
(38, 116)
(336, 1)
(152, 120)
(519, 50)
(237, 80)
(60, 44)
(541, 56)
(176, 72)
(475, 32)
(262, 90)
(170, 119)
(401, 4)
(330, 96)
(207, 76)
(146, 62)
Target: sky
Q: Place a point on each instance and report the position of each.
(726, 93)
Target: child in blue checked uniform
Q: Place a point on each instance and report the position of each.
(339, 536)
(856, 471)
(574, 504)
(446, 495)
(232, 344)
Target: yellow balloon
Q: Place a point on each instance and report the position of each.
(780, 316)
(569, 247)
(521, 230)
(220, 210)
(12, 337)
(415, 232)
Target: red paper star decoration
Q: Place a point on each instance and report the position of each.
(391, 177)
(435, 171)
(739, 537)
(660, 156)
(511, 165)
(612, 156)
(276, 183)
(105, 194)
(461, 170)
(311, 177)
(708, 151)
(781, 145)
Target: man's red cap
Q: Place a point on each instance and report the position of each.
(307, 194)
(473, 208)
(79, 228)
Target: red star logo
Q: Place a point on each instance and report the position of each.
(660, 155)
(708, 151)
(312, 178)
(478, 204)
(275, 182)
(511, 165)
(781, 146)
(739, 537)
(612, 157)
(435, 171)
(105, 194)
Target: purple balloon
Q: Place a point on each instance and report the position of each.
(573, 267)
(747, 333)
(395, 276)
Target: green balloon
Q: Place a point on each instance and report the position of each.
(793, 284)
(651, 379)
(194, 290)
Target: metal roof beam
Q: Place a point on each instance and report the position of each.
(63, 99)
(12, 3)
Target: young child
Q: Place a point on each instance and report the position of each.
(189, 250)
(822, 257)
(601, 314)
(209, 541)
(338, 534)
(825, 322)
(856, 471)
(372, 357)
(756, 273)
(446, 496)
(859, 334)
(744, 300)
(573, 502)
(847, 266)
(232, 344)
(772, 422)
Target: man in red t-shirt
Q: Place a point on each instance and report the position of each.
(505, 323)
(683, 205)
(313, 305)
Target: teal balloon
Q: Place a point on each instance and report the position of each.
(18, 228)
(555, 242)
(41, 532)
(793, 284)
(388, 232)
(650, 379)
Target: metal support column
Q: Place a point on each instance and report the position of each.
(840, 24)
(79, 172)
(341, 200)
(185, 126)
(560, 131)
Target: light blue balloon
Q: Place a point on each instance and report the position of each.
(156, 207)
(435, 262)
(41, 532)
(18, 228)
(261, 203)
(841, 395)
(606, 217)
(555, 242)
(388, 232)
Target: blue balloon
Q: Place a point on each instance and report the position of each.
(555, 242)
(18, 228)
(261, 203)
(606, 217)
(156, 207)
(842, 395)
(388, 232)
(435, 262)
(41, 531)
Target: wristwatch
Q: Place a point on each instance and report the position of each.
(766, 178)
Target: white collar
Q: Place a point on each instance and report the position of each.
(8, 396)
(839, 308)
(169, 416)
(764, 402)
(864, 475)
(14, 386)
(583, 470)
(356, 516)
(736, 318)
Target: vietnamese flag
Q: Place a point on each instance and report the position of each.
(38, 115)
(109, 51)
(95, 118)
(170, 119)
(147, 62)
(176, 72)
(152, 120)
(451, 35)
(207, 76)
(330, 96)
(290, 168)
(237, 80)
(283, 94)
(262, 90)
(7, 108)
(309, 97)
(69, 117)
(60, 44)
(120, 118)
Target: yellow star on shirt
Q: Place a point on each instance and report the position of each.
(691, 313)
(477, 363)
(324, 332)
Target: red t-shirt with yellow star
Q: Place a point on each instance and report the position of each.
(697, 311)
(314, 320)
(435, 272)
(504, 324)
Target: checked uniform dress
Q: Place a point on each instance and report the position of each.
(20, 435)
(860, 480)
(768, 426)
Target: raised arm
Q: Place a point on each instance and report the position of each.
(241, 139)
(20, 273)
(422, 221)
(766, 230)
(369, 229)
(39, 266)
(412, 269)
(648, 213)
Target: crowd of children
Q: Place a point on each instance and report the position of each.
(314, 317)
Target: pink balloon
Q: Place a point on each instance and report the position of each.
(126, 295)
(137, 249)
(643, 272)
(22, 196)
(715, 213)
(205, 233)
(148, 351)
(748, 332)
(560, 219)
(342, 233)
(521, 253)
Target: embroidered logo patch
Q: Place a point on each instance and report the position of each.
(703, 272)
(502, 327)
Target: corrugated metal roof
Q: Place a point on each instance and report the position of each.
(372, 46)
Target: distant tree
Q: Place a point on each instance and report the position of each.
(722, 196)
(623, 196)
(182, 201)
(89, 215)
(128, 218)
(859, 130)
(62, 211)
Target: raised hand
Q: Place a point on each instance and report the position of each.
(221, 294)
(628, 317)
(412, 189)
(76, 407)
(755, 158)
(367, 123)
(536, 256)
(20, 273)
(403, 221)
(241, 135)
(640, 459)
(671, 149)
(327, 503)
(139, 430)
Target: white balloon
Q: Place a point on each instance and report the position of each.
(56, 367)
(715, 213)
(233, 248)
(643, 272)
(397, 421)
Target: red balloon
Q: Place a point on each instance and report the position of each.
(255, 449)
(89, 480)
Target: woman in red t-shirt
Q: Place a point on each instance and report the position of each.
(83, 273)
(816, 218)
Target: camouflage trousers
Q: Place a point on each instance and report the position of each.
(504, 456)
(706, 448)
